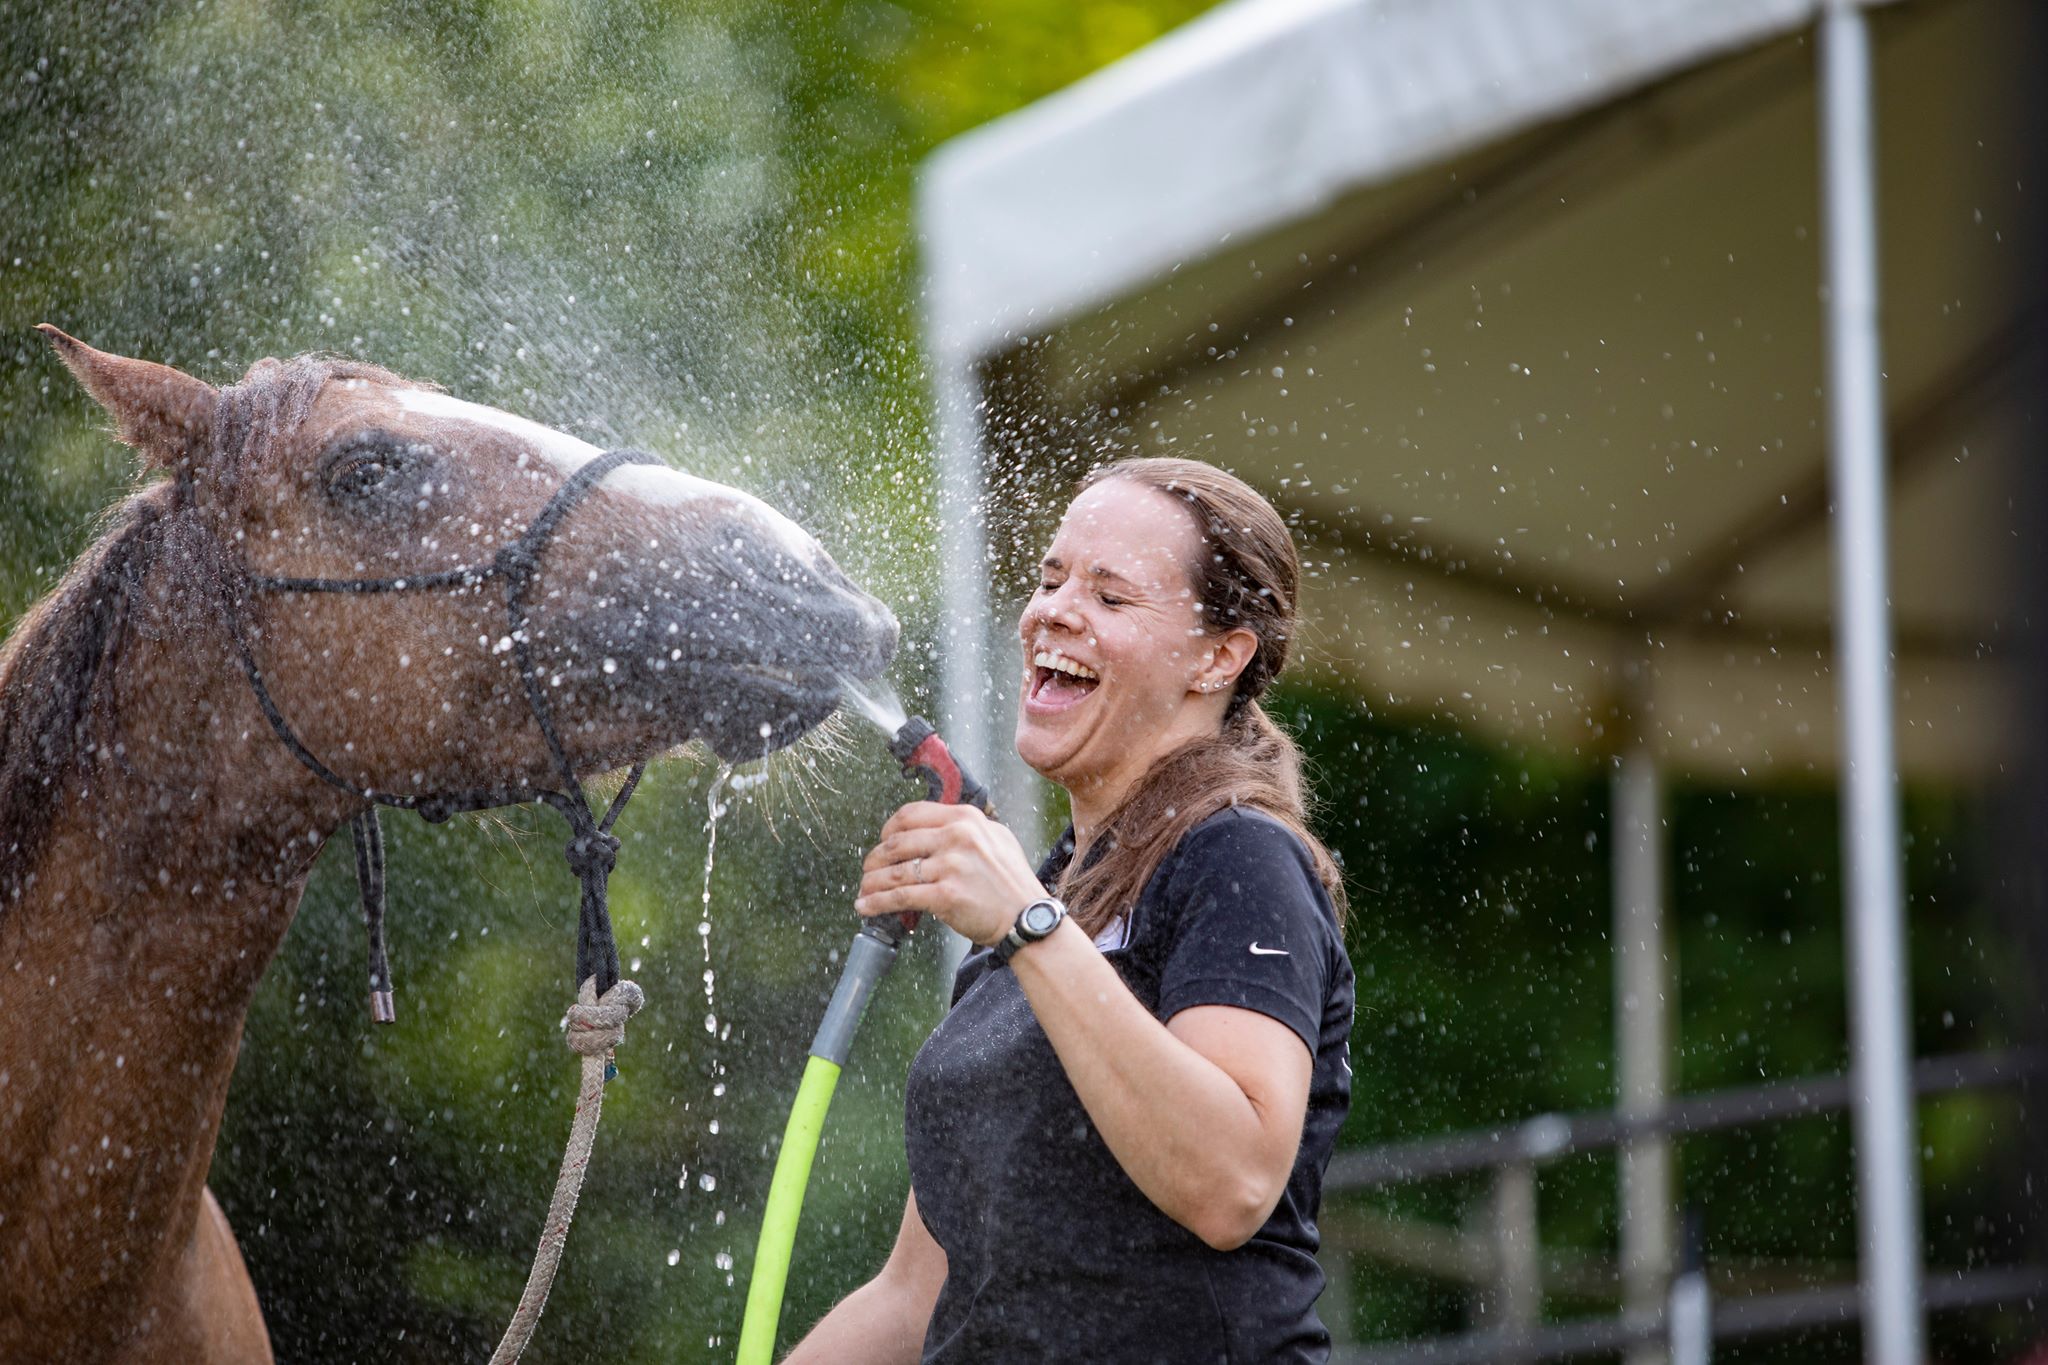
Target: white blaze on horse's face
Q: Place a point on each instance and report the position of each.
(658, 485)
(664, 593)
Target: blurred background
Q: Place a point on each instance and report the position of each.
(1533, 362)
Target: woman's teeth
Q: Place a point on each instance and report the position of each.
(1060, 663)
(1060, 681)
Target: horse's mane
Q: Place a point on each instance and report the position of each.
(56, 670)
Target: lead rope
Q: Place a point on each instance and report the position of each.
(597, 1025)
(368, 835)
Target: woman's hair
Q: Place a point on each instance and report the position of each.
(1246, 573)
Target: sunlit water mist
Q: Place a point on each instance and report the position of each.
(875, 701)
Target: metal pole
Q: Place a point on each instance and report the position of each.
(961, 508)
(1689, 1315)
(1517, 1257)
(1886, 1165)
(1642, 1042)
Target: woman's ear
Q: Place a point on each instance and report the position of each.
(166, 414)
(1229, 655)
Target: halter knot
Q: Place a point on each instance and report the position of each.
(592, 854)
(517, 561)
(596, 1026)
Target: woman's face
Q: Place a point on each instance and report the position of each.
(1115, 659)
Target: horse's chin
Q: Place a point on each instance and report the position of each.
(740, 711)
(749, 712)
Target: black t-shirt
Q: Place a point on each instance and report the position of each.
(1052, 1252)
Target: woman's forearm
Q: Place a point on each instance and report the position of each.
(1211, 1151)
(883, 1322)
(874, 1325)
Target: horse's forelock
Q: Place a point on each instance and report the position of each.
(56, 665)
(254, 417)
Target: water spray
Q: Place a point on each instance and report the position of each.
(917, 746)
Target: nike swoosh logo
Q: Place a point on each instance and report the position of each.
(1268, 952)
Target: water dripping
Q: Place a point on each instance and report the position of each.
(713, 809)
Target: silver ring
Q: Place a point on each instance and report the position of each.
(917, 870)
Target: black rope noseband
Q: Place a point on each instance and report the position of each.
(592, 850)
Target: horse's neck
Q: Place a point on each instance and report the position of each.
(164, 888)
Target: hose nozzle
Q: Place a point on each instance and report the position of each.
(922, 753)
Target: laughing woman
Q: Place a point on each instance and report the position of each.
(1117, 1136)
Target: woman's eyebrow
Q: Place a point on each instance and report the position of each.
(1095, 571)
(1103, 571)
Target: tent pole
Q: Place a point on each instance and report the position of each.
(1642, 1025)
(961, 508)
(1886, 1165)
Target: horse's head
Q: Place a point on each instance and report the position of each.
(661, 608)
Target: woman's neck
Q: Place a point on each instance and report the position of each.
(1094, 800)
(1091, 808)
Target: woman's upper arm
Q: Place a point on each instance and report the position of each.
(1271, 1064)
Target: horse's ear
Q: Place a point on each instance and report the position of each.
(166, 414)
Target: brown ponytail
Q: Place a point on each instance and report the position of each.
(1246, 574)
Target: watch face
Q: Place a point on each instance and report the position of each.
(1041, 918)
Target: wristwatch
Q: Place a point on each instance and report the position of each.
(1034, 922)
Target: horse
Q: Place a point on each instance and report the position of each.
(181, 731)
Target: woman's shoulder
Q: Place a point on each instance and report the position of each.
(1241, 849)
(1243, 904)
(1241, 832)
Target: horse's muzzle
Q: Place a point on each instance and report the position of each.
(741, 643)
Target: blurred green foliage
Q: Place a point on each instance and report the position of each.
(688, 227)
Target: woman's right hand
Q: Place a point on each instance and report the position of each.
(952, 862)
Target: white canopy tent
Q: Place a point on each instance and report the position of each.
(1543, 321)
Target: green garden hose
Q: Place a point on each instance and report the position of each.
(785, 1203)
(923, 755)
(869, 960)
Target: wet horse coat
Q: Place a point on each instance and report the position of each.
(155, 835)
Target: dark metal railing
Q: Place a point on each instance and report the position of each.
(1512, 1151)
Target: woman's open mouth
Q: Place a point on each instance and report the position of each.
(1058, 682)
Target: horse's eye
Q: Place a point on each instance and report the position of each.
(363, 474)
(370, 469)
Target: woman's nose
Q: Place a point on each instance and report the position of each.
(1055, 608)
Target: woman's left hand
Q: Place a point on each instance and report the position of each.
(952, 862)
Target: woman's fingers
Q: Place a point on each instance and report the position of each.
(896, 900)
(928, 815)
(901, 848)
(952, 862)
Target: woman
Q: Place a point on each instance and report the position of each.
(1117, 1135)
